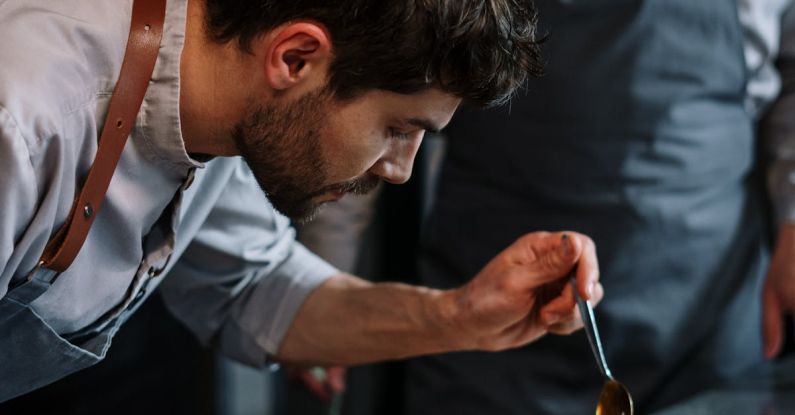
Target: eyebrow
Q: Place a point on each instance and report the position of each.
(425, 124)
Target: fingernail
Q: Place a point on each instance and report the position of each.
(591, 288)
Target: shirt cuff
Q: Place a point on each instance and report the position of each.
(258, 330)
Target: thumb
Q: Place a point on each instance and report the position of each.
(557, 261)
(772, 322)
(336, 378)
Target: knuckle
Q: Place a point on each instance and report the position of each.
(535, 236)
(590, 243)
(511, 282)
(550, 261)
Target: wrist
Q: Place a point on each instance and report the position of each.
(448, 320)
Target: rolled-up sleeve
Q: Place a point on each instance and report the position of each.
(778, 129)
(242, 277)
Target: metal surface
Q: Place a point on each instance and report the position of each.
(614, 399)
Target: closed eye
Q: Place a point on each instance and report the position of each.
(400, 135)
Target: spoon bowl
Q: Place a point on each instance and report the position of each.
(614, 399)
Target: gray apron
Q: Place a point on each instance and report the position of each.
(638, 137)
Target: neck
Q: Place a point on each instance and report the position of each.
(210, 99)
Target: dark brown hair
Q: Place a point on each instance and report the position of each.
(479, 50)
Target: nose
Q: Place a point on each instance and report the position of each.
(396, 164)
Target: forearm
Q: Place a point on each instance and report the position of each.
(347, 320)
(351, 321)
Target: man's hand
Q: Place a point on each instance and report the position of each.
(520, 295)
(523, 293)
(324, 383)
(779, 291)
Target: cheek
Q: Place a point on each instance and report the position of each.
(351, 152)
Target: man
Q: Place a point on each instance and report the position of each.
(641, 135)
(317, 100)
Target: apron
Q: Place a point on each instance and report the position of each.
(56, 355)
(24, 332)
(637, 136)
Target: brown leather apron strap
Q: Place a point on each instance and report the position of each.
(146, 31)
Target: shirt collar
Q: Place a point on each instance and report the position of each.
(160, 121)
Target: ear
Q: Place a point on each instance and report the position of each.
(297, 53)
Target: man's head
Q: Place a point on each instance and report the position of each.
(342, 93)
(479, 50)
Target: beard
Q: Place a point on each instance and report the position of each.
(281, 146)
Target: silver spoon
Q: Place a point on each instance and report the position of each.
(614, 398)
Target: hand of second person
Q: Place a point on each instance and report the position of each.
(779, 291)
(523, 293)
(323, 383)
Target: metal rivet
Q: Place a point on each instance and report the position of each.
(147, 27)
(88, 211)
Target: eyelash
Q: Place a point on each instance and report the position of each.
(398, 134)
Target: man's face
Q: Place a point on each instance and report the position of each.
(315, 149)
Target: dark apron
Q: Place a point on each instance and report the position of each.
(638, 137)
(26, 335)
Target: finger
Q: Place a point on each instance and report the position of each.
(336, 378)
(568, 324)
(562, 313)
(555, 255)
(561, 305)
(587, 268)
(772, 323)
(564, 329)
(314, 386)
(598, 294)
(565, 302)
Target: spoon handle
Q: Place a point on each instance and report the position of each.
(591, 331)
